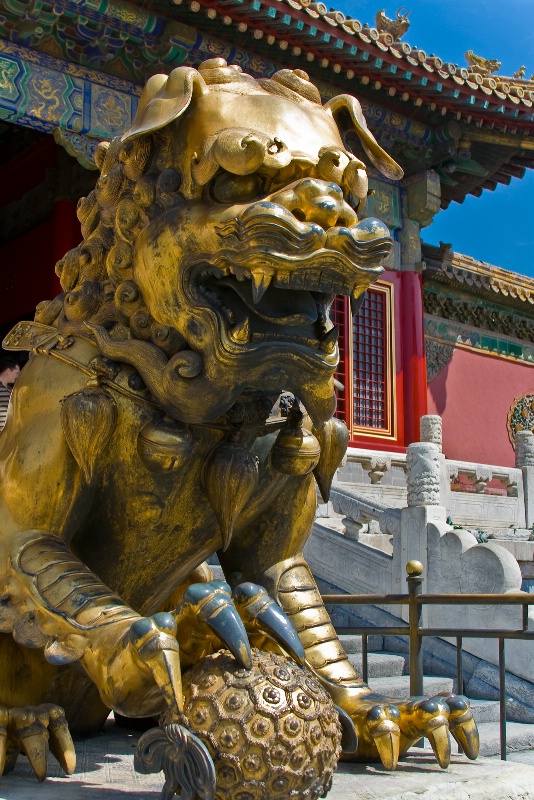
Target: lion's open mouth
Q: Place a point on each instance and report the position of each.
(275, 277)
(266, 311)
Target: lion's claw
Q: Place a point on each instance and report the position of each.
(383, 727)
(207, 614)
(421, 717)
(154, 640)
(378, 732)
(33, 731)
(388, 727)
(349, 737)
(262, 615)
(462, 725)
(60, 741)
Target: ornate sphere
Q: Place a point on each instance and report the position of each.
(273, 731)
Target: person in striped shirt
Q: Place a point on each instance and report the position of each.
(9, 371)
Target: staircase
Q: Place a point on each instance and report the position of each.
(388, 675)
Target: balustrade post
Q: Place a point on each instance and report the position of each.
(414, 580)
(423, 467)
(431, 429)
(524, 460)
(423, 478)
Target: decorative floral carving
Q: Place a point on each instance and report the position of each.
(438, 355)
(520, 416)
(431, 429)
(422, 461)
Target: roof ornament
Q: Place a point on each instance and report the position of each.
(483, 66)
(520, 74)
(396, 27)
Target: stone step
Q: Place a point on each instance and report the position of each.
(352, 643)
(485, 711)
(519, 736)
(399, 685)
(379, 664)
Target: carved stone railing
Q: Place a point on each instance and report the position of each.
(492, 499)
(478, 476)
(376, 466)
(357, 510)
(455, 558)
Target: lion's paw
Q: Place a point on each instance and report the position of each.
(387, 728)
(34, 730)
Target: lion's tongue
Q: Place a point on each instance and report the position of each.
(280, 306)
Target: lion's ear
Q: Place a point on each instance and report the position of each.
(344, 105)
(164, 99)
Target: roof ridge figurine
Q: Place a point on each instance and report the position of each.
(396, 27)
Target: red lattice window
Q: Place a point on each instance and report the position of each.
(367, 364)
(369, 346)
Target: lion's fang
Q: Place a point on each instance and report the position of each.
(330, 335)
(329, 339)
(240, 333)
(260, 284)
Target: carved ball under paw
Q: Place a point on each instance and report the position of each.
(273, 731)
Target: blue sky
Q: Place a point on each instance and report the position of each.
(497, 227)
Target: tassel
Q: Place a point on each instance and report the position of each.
(88, 418)
(230, 477)
(333, 438)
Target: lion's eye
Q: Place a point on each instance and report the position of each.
(228, 188)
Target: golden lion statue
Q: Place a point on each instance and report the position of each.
(140, 437)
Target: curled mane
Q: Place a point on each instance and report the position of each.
(97, 276)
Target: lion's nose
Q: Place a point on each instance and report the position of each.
(314, 200)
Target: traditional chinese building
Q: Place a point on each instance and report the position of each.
(71, 72)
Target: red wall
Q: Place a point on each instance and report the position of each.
(473, 395)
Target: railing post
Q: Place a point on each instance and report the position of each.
(415, 616)
(502, 698)
(365, 659)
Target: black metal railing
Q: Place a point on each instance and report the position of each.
(415, 631)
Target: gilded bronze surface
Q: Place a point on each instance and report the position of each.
(139, 439)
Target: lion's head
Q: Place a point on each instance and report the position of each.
(222, 226)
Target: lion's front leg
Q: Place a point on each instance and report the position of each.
(55, 602)
(270, 553)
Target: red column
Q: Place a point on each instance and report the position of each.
(413, 355)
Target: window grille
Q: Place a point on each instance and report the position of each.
(369, 345)
(367, 364)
